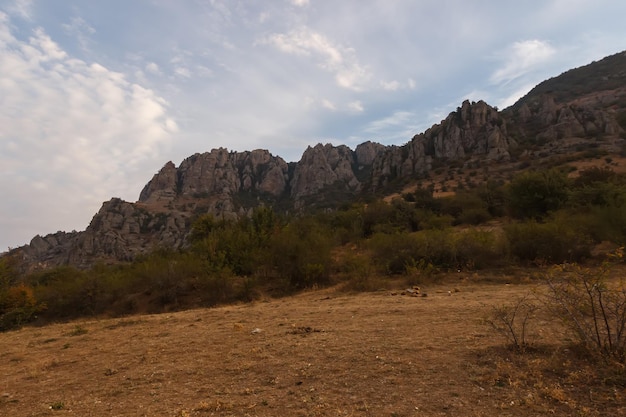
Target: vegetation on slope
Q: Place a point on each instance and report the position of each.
(539, 217)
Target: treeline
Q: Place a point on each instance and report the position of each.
(539, 217)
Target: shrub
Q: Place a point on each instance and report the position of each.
(546, 242)
(478, 249)
(512, 321)
(67, 292)
(301, 253)
(536, 193)
(392, 253)
(18, 306)
(591, 306)
(466, 208)
(473, 216)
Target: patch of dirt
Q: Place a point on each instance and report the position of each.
(321, 353)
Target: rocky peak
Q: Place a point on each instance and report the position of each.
(162, 186)
(322, 166)
(474, 129)
(366, 152)
(219, 172)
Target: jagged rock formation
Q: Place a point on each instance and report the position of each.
(219, 172)
(586, 102)
(118, 232)
(230, 184)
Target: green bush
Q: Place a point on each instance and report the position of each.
(301, 253)
(392, 253)
(478, 249)
(546, 242)
(533, 194)
(67, 292)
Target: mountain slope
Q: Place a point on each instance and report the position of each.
(562, 116)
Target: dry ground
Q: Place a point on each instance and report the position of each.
(321, 353)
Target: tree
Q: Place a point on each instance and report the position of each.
(536, 193)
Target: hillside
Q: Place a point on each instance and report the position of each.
(475, 270)
(579, 115)
(306, 356)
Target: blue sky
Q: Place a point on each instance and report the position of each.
(96, 96)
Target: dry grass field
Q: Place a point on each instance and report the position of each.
(320, 353)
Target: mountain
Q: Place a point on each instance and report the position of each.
(581, 110)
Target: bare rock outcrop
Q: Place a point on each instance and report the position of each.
(475, 129)
(322, 166)
(162, 186)
(219, 172)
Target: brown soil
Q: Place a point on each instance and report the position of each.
(321, 353)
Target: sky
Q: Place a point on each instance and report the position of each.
(96, 96)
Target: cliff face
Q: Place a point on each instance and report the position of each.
(120, 231)
(219, 172)
(230, 184)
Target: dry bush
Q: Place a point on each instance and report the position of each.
(591, 306)
(512, 321)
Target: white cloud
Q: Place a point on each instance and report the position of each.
(300, 3)
(390, 85)
(79, 28)
(412, 84)
(263, 17)
(356, 106)
(153, 68)
(399, 118)
(333, 58)
(21, 8)
(522, 57)
(183, 72)
(203, 71)
(396, 128)
(72, 135)
(514, 96)
(327, 104)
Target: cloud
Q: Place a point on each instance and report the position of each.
(356, 106)
(341, 61)
(79, 28)
(21, 8)
(398, 127)
(327, 104)
(153, 68)
(390, 85)
(182, 72)
(520, 58)
(72, 134)
(300, 3)
(512, 98)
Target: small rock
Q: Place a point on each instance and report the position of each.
(256, 330)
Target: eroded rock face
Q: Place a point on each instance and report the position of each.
(219, 172)
(230, 184)
(118, 232)
(322, 166)
(366, 152)
(476, 129)
(215, 181)
(162, 186)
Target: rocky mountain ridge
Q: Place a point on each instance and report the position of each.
(231, 184)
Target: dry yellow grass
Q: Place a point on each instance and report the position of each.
(321, 353)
